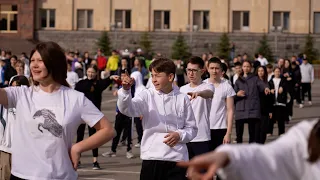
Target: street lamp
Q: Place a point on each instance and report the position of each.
(276, 30)
(115, 27)
(191, 29)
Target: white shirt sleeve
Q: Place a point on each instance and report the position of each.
(13, 94)
(132, 107)
(90, 114)
(282, 159)
(190, 128)
(312, 74)
(230, 91)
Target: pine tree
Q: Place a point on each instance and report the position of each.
(309, 50)
(104, 44)
(264, 48)
(145, 43)
(180, 49)
(224, 46)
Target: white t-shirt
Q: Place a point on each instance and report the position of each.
(72, 79)
(201, 108)
(218, 112)
(45, 127)
(263, 61)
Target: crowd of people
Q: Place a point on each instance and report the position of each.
(181, 109)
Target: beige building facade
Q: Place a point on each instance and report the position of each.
(253, 16)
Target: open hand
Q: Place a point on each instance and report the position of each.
(241, 93)
(280, 90)
(172, 139)
(211, 162)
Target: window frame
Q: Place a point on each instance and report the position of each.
(86, 24)
(314, 22)
(9, 13)
(47, 18)
(282, 13)
(201, 25)
(162, 20)
(242, 27)
(123, 17)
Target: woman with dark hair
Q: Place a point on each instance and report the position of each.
(279, 100)
(294, 156)
(49, 113)
(92, 87)
(290, 83)
(265, 106)
(247, 102)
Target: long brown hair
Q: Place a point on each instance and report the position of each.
(55, 61)
(265, 74)
(314, 143)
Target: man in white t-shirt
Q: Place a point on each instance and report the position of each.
(72, 77)
(200, 94)
(263, 61)
(222, 107)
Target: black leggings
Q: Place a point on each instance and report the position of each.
(80, 135)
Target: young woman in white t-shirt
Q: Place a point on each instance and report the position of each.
(49, 113)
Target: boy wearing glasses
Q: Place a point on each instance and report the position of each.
(168, 122)
(200, 94)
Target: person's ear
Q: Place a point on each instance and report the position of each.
(171, 77)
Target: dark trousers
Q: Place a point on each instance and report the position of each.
(306, 88)
(122, 122)
(15, 178)
(298, 94)
(197, 148)
(80, 135)
(263, 129)
(281, 116)
(290, 105)
(139, 128)
(217, 136)
(161, 170)
(253, 124)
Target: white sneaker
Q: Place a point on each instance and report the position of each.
(300, 105)
(130, 155)
(137, 145)
(310, 103)
(109, 154)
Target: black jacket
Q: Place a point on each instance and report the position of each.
(282, 98)
(249, 105)
(93, 89)
(9, 72)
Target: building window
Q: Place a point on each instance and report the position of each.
(281, 20)
(161, 20)
(241, 20)
(47, 18)
(316, 24)
(8, 18)
(85, 19)
(201, 19)
(123, 18)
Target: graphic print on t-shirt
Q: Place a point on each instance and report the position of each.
(50, 122)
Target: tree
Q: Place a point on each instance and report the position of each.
(104, 44)
(224, 46)
(309, 50)
(180, 49)
(264, 48)
(145, 43)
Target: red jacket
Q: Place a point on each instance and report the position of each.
(102, 62)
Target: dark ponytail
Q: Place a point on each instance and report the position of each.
(314, 143)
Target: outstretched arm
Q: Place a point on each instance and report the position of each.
(3, 97)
